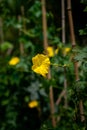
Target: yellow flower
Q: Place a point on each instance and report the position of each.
(41, 64)
(14, 61)
(50, 51)
(56, 51)
(33, 104)
(66, 50)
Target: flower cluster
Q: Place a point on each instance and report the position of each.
(41, 62)
(51, 52)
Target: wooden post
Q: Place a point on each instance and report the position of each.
(73, 45)
(63, 41)
(45, 43)
(63, 20)
(23, 28)
(22, 13)
(21, 44)
(44, 21)
(1, 31)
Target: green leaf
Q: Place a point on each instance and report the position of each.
(26, 98)
(85, 66)
(5, 46)
(5, 102)
(85, 10)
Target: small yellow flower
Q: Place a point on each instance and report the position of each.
(50, 51)
(14, 61)
(41, 64)
(33, 104)
(56, 51)
(66, 50)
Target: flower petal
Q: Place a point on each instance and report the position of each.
(41, 64)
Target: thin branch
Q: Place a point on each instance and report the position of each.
(9, 51)
(65, 88)
(60, 97)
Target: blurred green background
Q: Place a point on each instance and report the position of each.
(21, 36)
